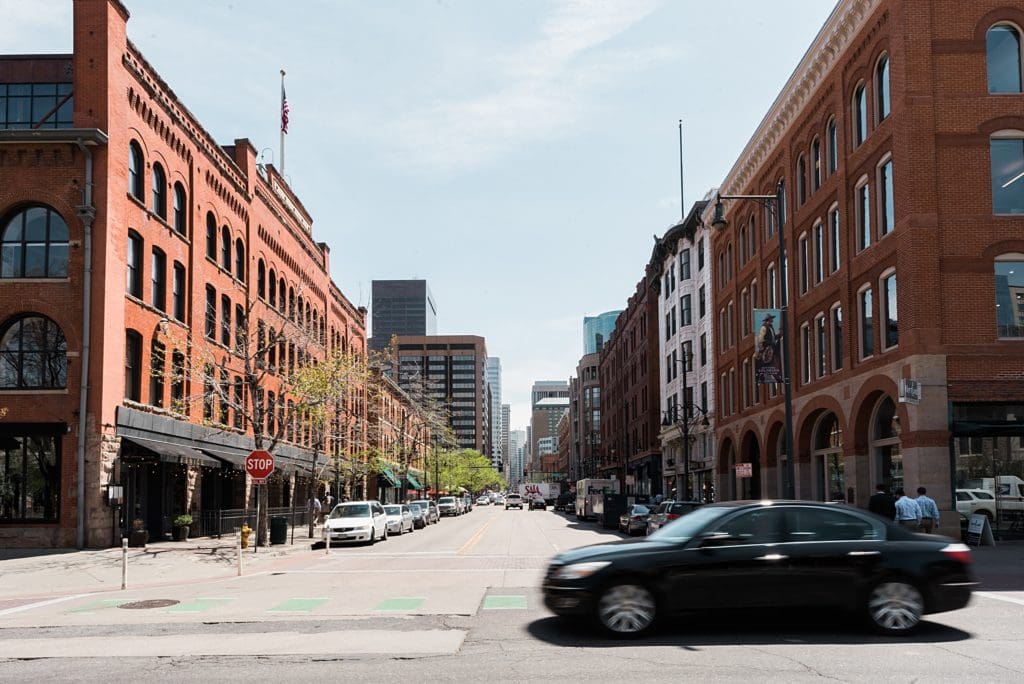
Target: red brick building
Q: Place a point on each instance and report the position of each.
(400, 437)
(630, 407)
(899, 141)
(141, 263)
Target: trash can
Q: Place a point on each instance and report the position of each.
(278, 529)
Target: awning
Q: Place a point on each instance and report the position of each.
(235, 459)
(413, 482)
(389, 476)
(174, 453)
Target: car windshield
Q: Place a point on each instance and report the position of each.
(689, 525)
(351, 511)
(415, 508)
(446, 500)
(393, 510)
(514, 496)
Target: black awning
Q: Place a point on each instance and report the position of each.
(236, 460)
(174, 453)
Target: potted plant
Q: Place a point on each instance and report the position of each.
(139, 535)
(181, 527)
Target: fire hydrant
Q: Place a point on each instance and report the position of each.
(245, 532)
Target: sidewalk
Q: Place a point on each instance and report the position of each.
(45, 573)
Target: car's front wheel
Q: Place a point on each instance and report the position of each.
(627, 609)
(894, 607)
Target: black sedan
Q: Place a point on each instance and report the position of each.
(634, 519)
(538, 503)
(764, 554)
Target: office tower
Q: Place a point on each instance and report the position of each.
(494, 414)
(597, 330)
(400, 307)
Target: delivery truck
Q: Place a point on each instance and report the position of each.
(548, 491)
(590, 497)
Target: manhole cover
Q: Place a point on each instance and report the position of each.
(149, 603)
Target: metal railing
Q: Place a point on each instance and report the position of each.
(216, 523)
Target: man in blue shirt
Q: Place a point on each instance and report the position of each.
(908, 513)
(929, 511)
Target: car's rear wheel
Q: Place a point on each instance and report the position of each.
(895, 606)
(627, 609)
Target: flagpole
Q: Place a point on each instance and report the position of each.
(281, 155)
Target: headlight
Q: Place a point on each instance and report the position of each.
(579, 570)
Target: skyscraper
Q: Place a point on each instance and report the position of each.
(506, 450)
(548, 399)
(597, 330)
(494, 381)
(517, 447)
(401, 307)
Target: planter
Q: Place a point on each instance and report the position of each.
(181, 533)
(138, 538)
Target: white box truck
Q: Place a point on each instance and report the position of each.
(548, 491)
(590, 497)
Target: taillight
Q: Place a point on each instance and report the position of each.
(958, 552)
(671, 516)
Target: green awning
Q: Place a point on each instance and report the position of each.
(389, 476)
(413, 482)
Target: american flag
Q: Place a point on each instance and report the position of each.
(284, 111)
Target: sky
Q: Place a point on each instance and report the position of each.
(520, 156)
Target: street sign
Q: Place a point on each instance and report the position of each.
(259, 464)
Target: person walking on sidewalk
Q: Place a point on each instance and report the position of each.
(929, 510)
(908, 513)
(882, 503)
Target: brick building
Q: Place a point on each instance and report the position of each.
(400, 437)
(141, 263)
(585, 417)
(629, 388)
(899, 141)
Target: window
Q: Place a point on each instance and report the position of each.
(761, 526)
(745, 398)
(700, 254)
(744, 308)
(239, 259)
(886, 212)
(211, 313)
(819, 346)
(134, 280)
(703, 349)
(668, 326)
(133, 366)
(1002, 52)
(1007, 155)
(136, 166)
(863, 211)
(225, 320)
(819, 253)
(743, 245)
(730, 317)
(178, 381)
(158, 276)
(211, 237)
(860, 114)
(272, 285)
(30, 469)
(801, 181)
(815, 165)
(239, 327)
(178, 291)
(28, 103)
(208, 391)
(891, 335)
(882, 103)
(33, 354)
(685, 313)
(34, 244)
(684, 265)
(804, 264)
(159, 191)
(805, 353)
(752, 237)
(781, 194)
(816, 524)
(225, 249)
(867, 333)
(701, 302)
(1010, 298)
(157, 359)
(833, 239)
(772, 287)
(180, 207)
(239, 402)
(833, 146)
(837, 337)
(261, 275)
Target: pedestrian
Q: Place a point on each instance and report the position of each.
(882, 503)
(929, 510)
(314, 508)
(908, 513)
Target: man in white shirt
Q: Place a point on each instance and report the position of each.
(908, 513)
(929, 511)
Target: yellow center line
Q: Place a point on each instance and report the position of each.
(475, 538)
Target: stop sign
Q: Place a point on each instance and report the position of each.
(259, 464)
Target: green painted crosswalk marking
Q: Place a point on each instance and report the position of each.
(98, 605)
(397, 604)
(198, 605)
(298, 605)
(504, 602)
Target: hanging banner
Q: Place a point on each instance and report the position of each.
(767, 347)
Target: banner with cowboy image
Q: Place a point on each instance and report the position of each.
(767, 347)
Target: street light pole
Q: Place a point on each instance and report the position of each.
(774, 205)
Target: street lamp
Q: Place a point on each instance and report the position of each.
(774, 204)
(671, 417)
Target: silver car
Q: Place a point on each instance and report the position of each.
(399, 519)
(430, 507)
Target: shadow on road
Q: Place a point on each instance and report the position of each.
(694, 632)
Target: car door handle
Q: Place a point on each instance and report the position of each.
(864, 553)
(772, 557)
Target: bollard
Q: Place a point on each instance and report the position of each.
(327, 544)
(238, 549)
(124, 562)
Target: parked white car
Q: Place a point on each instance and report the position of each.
(971, 501)
(356, 521)
(400, 519)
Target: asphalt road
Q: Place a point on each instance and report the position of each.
(459, 601)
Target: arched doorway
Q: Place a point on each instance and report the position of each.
(886, 452)
(827, 464)
(727, 470)
(750, 487)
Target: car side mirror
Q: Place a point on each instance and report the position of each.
(710, 540)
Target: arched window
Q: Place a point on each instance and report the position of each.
(261, 277)
(159, 191)
(157, 361)
(291, 304)
(272, 291)
(827, 457)
(832, 134)
(882, 103)
(239, 259)
(133, 280)
(885, 445)
(211, 236)
(180, 205)
(801, 180)
(282, 288)
(34, 244)
(225, 248)
(860, 114)
(33, 354)
(815, 165)
(1002, 50)
(1006, 152)
(136, 165)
